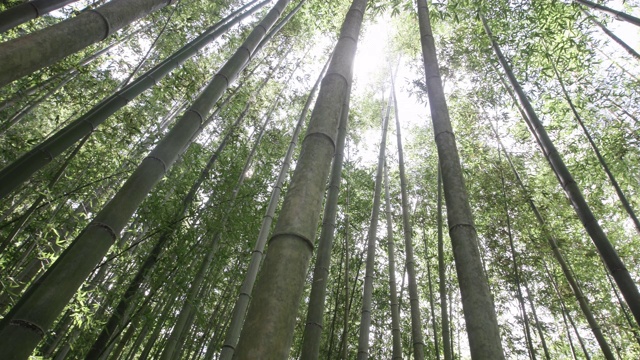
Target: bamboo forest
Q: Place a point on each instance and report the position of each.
(319, 179)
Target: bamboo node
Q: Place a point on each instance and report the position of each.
(109, 229)
(155, 81)
(445, 132)
(333, 143)
(35, 7)
(93, 127)
(299, 236)
(164, 166)
(224, 76)
(28, 325)
(315, 323)
(462, 225)
(106, 22)
(264, 30)
(46, 152)
(346, 81)
(197, 113)
(355, 41)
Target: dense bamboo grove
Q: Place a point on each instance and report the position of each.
(198, 179)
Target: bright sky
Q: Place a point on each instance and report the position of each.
(370, 61)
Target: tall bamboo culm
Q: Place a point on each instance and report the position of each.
(372, 243)
(315, 313)
(271, 317)
(393, 292)
(414, 300)
(240, 307)
(477, 302)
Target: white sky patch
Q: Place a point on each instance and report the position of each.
(372, 60)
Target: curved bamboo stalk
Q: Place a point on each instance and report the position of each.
(582, 301)
(623, 199)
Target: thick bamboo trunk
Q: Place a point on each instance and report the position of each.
(240, 307)
(606, 250)
(21, 170)
(272, 313)
(317, 297)
(21, 94)
(32, 52)
(477, 302)
(26, 11)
